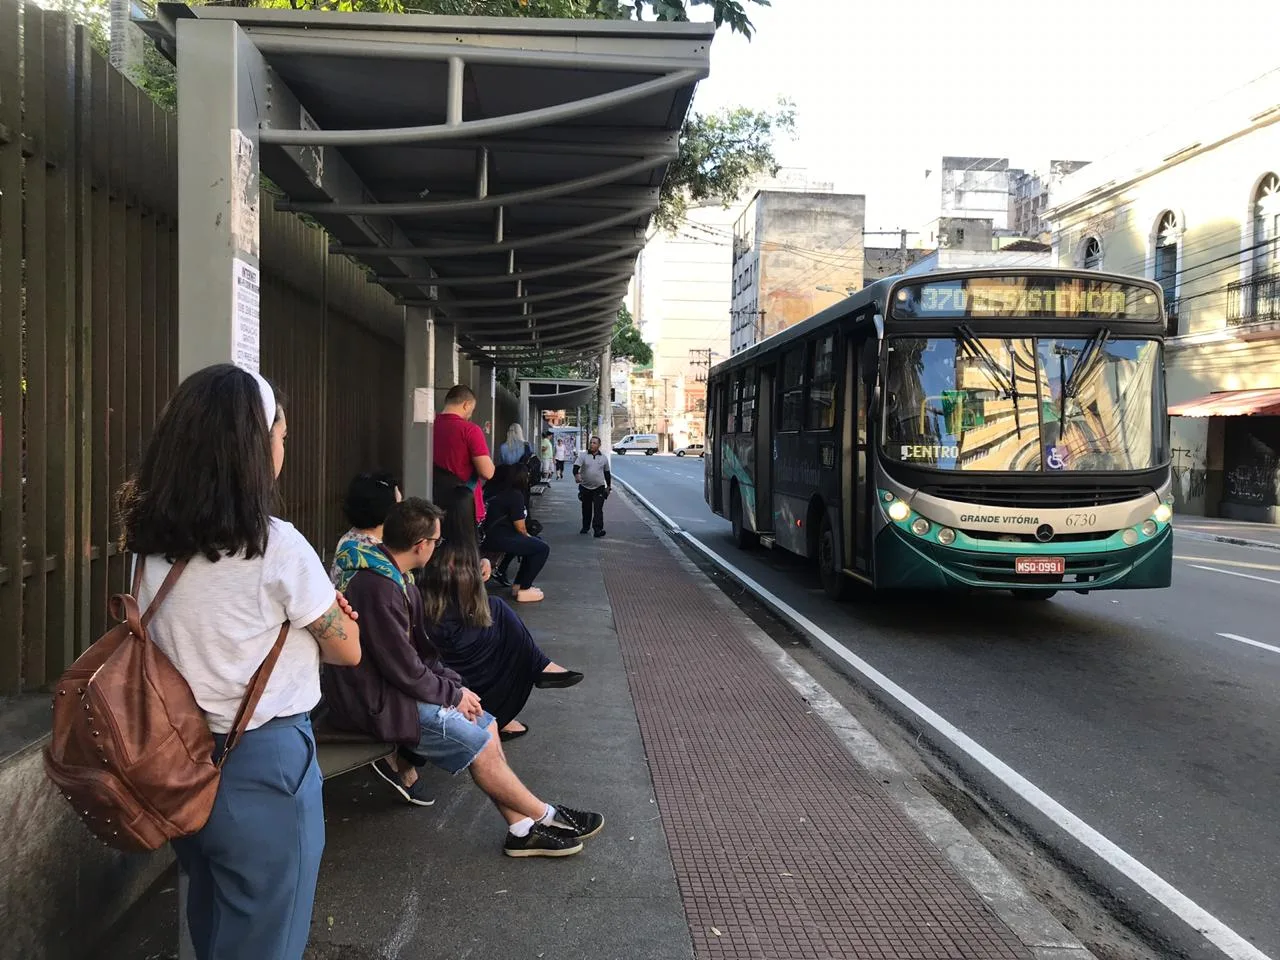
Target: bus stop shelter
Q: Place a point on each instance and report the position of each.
(496, 175)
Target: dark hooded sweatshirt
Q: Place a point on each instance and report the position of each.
(379, 696)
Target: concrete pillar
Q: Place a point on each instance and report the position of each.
(420, 402)
(446, 361)
(484, 381)
(218, 271)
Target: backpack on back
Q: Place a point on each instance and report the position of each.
(131, 749)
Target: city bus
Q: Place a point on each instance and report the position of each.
(964, 429)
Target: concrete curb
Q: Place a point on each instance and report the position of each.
(1223, 538)
(1029, 920)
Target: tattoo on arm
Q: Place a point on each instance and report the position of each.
(330, 628)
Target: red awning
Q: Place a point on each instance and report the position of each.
(1231, 403)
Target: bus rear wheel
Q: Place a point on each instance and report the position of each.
(834, 583)
(1034, 596)
(743, 537)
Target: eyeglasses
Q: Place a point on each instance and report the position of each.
(433, 540)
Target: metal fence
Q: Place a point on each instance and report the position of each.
(88, 338)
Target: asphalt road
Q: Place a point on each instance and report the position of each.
(1149, 714)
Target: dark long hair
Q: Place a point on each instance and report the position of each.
(451, 581)
(206, 484)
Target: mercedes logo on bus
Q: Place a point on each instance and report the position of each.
(1044, 533)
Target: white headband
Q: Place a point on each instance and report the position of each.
(268, 398)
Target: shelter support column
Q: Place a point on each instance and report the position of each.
(605, 425)
(446, 360)
(218, 269)
(419, 399)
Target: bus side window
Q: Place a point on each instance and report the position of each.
(791, 391)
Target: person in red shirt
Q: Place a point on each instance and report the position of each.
(459, 447)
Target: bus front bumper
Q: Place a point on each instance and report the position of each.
(903, 561)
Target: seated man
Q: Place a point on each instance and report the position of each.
(394, 696)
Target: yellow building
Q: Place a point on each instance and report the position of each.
(1196, 207)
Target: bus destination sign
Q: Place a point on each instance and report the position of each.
(1034, 297)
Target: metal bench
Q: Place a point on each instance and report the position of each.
(337, 752)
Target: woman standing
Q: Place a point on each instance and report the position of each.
(479, 636)
(205, 494)
(516, 449)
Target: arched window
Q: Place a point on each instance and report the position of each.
(1266, 225)
(1092, 253)
(1166, 264)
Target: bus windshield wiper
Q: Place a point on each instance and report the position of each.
(1084, 366)
(971, 345)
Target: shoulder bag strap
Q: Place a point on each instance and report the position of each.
(252, 694)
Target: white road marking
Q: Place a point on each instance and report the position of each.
(1252, 643)
(1235, 573)
(1232, 944)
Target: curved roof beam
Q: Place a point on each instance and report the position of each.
(612, 255)
(419, 208)
(580, 324)
(599, 303)
(466, 250)
(617, 279)
(489, 126)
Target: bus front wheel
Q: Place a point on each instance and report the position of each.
(743, 537)
(834, 583)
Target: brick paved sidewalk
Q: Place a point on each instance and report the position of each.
(783, 847)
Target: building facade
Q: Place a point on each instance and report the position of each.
(1029, 194)
(973, 188)
(1197, 209)
(793, 255)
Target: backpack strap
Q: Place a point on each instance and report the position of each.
(253, 693)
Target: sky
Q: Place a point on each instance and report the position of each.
(883, 90)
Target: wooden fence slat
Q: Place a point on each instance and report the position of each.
(98, 334)
(85, 435)
(117, 350)
(35, 330)
(11, 353)
(63, 385)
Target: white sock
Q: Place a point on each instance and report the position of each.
(521, 828)
(547, 818)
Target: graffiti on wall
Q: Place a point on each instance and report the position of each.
(1189, 477)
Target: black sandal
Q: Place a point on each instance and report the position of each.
(547, 681)
(505, 735)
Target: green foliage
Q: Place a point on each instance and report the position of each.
(720, 154)
(627, 343)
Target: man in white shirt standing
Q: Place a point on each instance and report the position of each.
(595, 483)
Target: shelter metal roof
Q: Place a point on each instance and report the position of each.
(500, 170)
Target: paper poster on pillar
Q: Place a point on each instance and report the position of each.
(246, 346)
(244, 194)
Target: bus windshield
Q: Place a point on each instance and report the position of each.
(1024, 403)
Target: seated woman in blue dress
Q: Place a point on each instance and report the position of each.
(477, 635)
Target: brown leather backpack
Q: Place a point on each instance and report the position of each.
(131, 749)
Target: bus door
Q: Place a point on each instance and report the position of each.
(713, 472)
(853, 443)
(764, 449)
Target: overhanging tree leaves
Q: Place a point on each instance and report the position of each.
(627, 343)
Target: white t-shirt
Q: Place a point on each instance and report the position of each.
(220, 620)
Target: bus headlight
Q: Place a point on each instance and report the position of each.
(919, 526)
(1130, 536)
(946, 536)
(1149, 528)
(898, 511)
(1163, 514)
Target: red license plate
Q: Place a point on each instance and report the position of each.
(1039, 565)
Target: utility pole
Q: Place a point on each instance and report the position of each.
(700, 360)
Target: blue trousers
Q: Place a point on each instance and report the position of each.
(253, 867)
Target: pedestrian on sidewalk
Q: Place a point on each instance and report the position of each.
(506, 531)
(516, 449)
(547, 452)
(478, 635)
(562, 454)
(595, 483)
(204, 495)
(459, 451)
(396, 696)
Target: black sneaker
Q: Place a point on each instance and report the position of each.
(599, 533)
(501, 579)
(415, 794)
(582, 824)
(585, 530)
(542, 841)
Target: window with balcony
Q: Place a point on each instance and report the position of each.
(1165, 272)
(1257, 299)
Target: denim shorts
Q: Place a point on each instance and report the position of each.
(447, 739)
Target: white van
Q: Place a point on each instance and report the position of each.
(646, 442)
